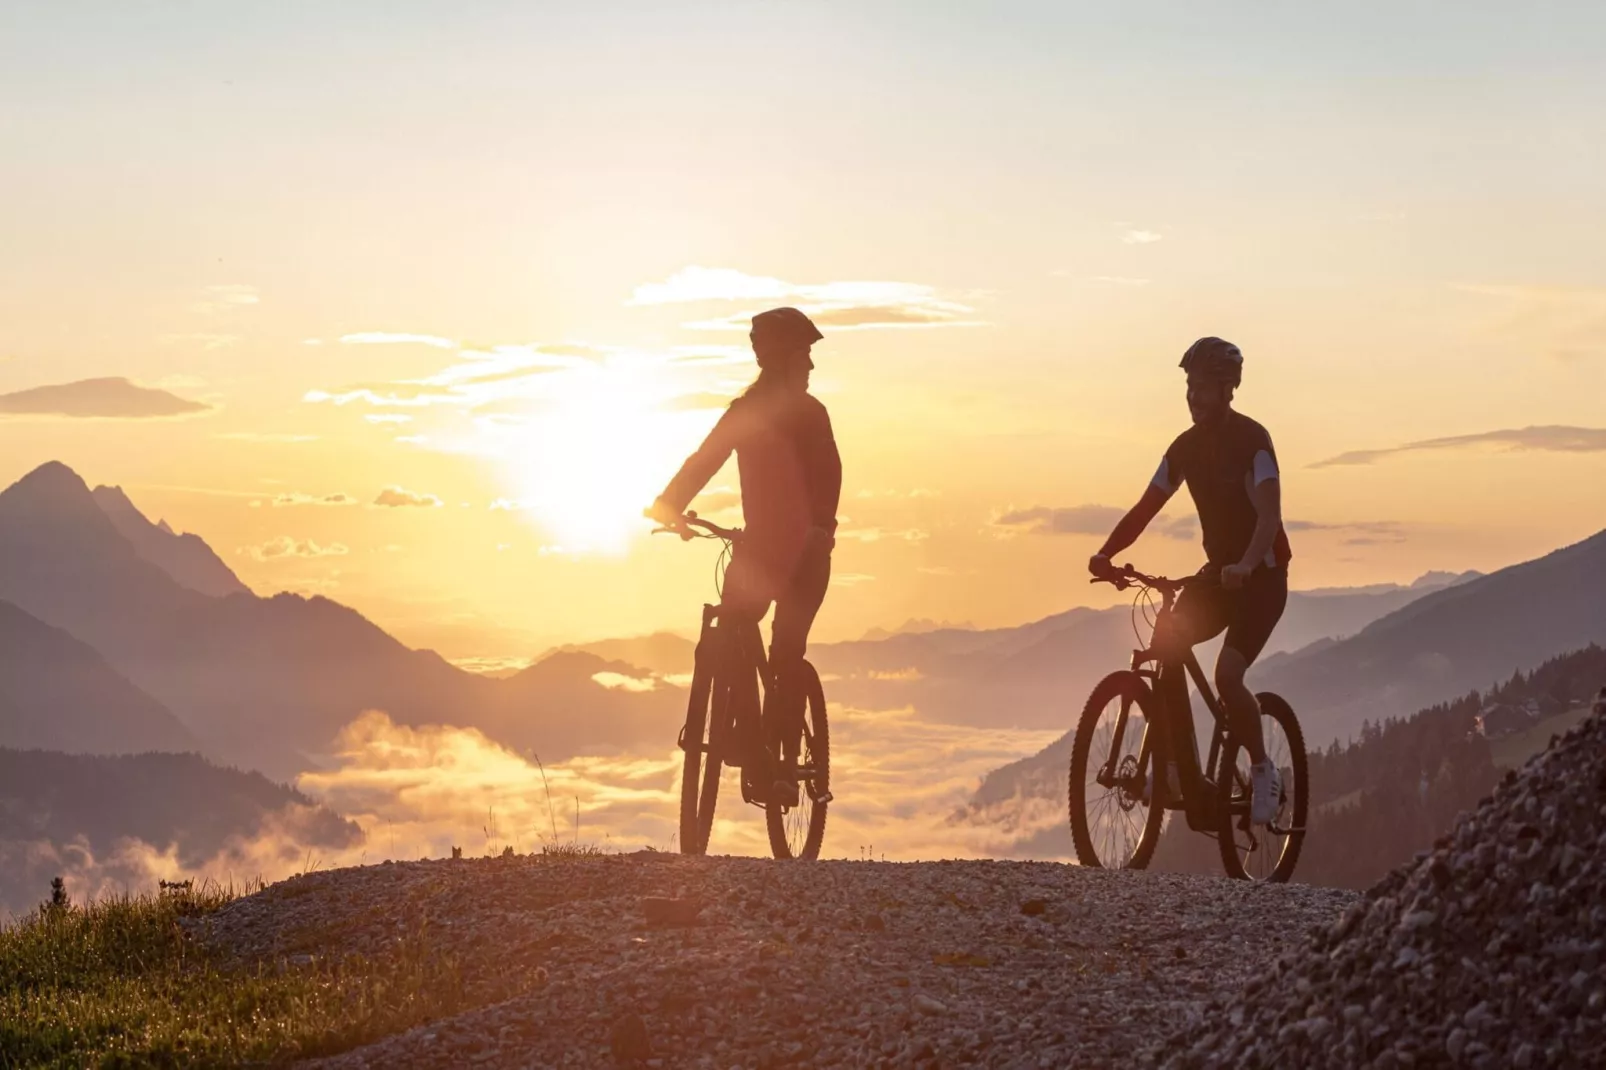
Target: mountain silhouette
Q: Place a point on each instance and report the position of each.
(267, 683)
(57, 693)
(1446, 643)
(186, 558)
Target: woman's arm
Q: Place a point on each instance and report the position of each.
(699, 468)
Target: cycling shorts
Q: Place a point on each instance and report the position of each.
(1248, 615)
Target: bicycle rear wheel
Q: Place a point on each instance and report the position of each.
(1112, 824)
(1264, 853)
(699, 782)
(799, 831)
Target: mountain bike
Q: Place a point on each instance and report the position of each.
(776, 759)
(1136, 755)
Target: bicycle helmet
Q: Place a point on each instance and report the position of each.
(785, 327)
(1216, 358)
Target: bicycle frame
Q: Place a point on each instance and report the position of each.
(746, 646)
(1173, 726)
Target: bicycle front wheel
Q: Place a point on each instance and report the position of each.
(700, 769)
(1253, 852)
(1112, 821)
(799, 831)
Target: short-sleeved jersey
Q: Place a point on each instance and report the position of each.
(1221, 465)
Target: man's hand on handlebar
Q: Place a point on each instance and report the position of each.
(1104, 570)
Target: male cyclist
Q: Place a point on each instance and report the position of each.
(1228, 464)
(791, 480)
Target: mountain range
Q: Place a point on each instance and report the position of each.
(264, 683)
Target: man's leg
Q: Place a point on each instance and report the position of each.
(1259, 606)
(1243, 712)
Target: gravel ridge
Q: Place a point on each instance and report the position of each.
(753, 963)
(1487, 951)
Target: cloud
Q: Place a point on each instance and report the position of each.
(1088, 520)
(1120, 280)
(877, 534)
(1140, 237)
(850, 579)
(388, 418)
(397, 498)
(228, 297)
(846, 305)
(296, 498)
(285, 548)
(1550, 439)
(112, 399)
(266, 436)
(1385, 529)
(391, 338)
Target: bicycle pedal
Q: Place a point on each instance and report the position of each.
(822, 799)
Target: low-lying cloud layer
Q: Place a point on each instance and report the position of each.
(106, 399)
(419, 792)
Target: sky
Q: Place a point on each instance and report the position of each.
(417, 305)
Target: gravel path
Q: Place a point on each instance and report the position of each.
(1007, 964)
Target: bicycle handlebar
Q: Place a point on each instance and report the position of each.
(691, 521)
(1127, 576)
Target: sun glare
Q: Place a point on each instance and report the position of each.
(586, 467)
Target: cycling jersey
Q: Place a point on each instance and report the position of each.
(791, 475)
(1221, 464)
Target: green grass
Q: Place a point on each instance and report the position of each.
(119, 984)
(1513, 751)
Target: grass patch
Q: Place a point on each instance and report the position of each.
(118, 983)
(1513, 751)
(571, 850)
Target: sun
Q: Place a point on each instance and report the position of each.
(597, 454)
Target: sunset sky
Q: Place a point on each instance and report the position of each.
(452, 289)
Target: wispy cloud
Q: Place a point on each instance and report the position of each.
(846, 305)
(266, 436)
(227, 297)
(850, 579)
(397, 498)
(1552, 439)
(1357, 532)
(296, 498)
(284, 548)
(1120, 280)
(392, 338)
(1141, 237)
(878, 534)
(1087, 520)
(109, 399)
